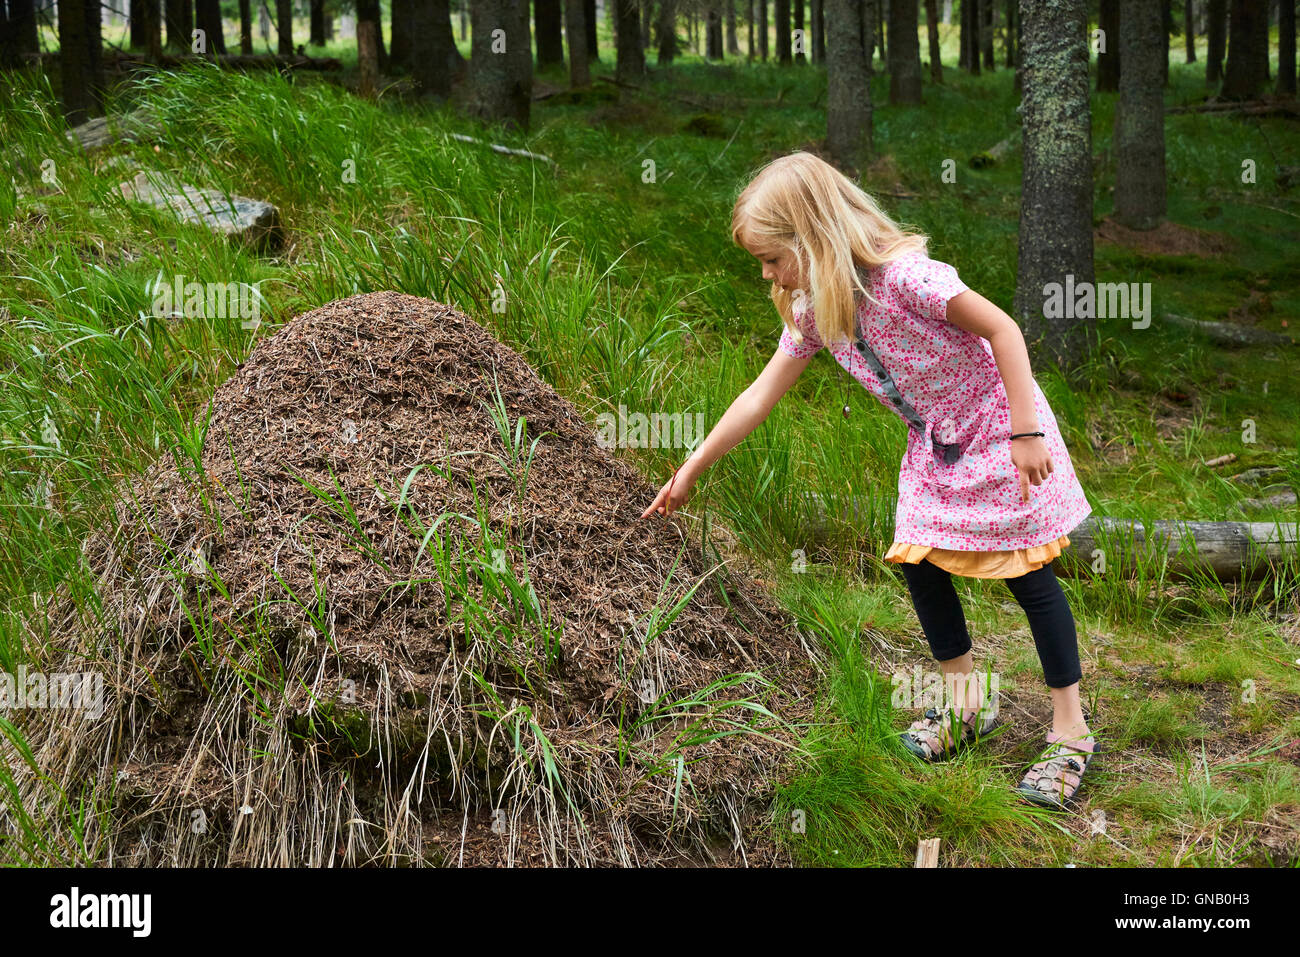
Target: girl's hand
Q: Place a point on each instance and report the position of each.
(680, 487)
(1031, 459)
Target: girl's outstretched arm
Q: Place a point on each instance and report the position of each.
(746, 413)
(972, 312)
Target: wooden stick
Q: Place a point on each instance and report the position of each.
(927, 852)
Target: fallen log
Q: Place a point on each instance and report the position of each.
(1242, 108)
(1230, 334)
(239, 61)
(1228, 551)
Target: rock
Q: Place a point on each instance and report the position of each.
(104, 131)
(249, 220)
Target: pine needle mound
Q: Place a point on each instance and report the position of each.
(373, 618)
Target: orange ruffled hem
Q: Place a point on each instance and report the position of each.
(1006, 564)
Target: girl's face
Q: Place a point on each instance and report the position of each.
(779, 266)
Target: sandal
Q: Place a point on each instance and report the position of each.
(1056, 779)
(930, 737)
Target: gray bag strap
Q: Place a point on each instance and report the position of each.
(949, 452)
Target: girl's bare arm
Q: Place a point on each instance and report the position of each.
(972, 312)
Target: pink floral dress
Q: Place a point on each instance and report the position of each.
(949, 376)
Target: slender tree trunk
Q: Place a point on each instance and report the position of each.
(986, 33)
(1246, 75)
(1216, 40)
(932, 34)
(849, 43)
(575, 28)
(209, 21)
(667, 32)
(630, 64)
(1167, 27)
(316, 31)
(371, 10)
(763, 41)
(733, 45)
(136, 17)
(367, 57)
(1140, 118)
(1108, 57)
(1056, 193)
(179, 23)
(80, 47)
(1012, 17)
(245, 27)
(818, 18)
(800, 53)
(1286, 79)
(1189, 30)
(550, 38)
(593, 51)
(904, 53)
(781, 10)
(284, 27)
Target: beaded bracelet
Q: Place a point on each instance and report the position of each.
(1026, 435)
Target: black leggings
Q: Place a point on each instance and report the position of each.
(1038, 593)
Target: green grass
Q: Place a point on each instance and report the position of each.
(620, 290)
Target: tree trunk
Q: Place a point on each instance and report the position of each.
(80, 46)
(593, 51)
(1189, 30)
(849, 42)
(136, 16)
(1216, 40)
(209, 21)
(502, 60)
(179, 16)
(932, 34)
(1246, 75)
(713, 32)
(1140, 118)
(284, 27)
(316, 32)
(800, 53)
(19, 36)
(435, 61)
(818, 18)
(667, 30)
(763, 42)
(1108, 56)
(575, 28)
(367, 57)
(370, 10)
(1167, 28)
(630, 64)
(970, 35)
(1056, 192)
(733, 45)
(404, 14)
(1012, 15)
(246, 27)
(550, 39)
(1286, 85)
(986, 34)
(781, 10)
(904, 53)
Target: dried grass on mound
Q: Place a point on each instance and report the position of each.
(375, 628)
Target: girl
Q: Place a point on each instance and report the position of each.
(981, 436)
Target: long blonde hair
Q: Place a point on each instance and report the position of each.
(802, 204)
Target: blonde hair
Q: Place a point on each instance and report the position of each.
(802, 204)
